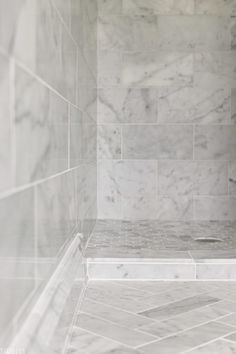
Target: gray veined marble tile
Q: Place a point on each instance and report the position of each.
(215, 69)
(178, 307)
(157, 142)
(188, 339)
(122, 105)
(127, 33)
(41, 122)
(64, 7)
(76, 136)
(174, 208)
(215, 208)
(229, 320)
(215, 7)
(157, 69)
(77, 21)
(190, 33)
(6, 177)
(110, 6)
(215, 142)
(122, 334)
(219, 346)
(232, 177)
(114, 315)
(188, 178)
(194, 105)
(109, 142)
(158, 7)
(233, 33)
(233, 106)
(109, 68)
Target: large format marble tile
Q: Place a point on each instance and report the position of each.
(109, 142)
(188, 339)
(188, 178)
(215, 142)
(194, 105)
(6, 177)
(122, 105)
(215, 7)
(158, 7)
(113, 331)
(41, 122)
(215, 208)
(215, 69)
(147, 69)
(157, 142)
(189, 33)
(127, 33)
(123, 192)
(109, 68)
(174, 207)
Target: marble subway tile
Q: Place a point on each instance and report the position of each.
(219, 346)
(76, 136)
(127, 33)
(215, 69)
(6, 176)
(147, 69)
(233, 106)
(215, 7)
(188, 339)
(196, 105)
(232, 177)
(109, 142)
(190, 33)
(159, 7)
(189, 178)
(56, 214)
(215, 208)
(157, 142)
(122, 105)
(215, 142)
(174, 208)
(41, 122)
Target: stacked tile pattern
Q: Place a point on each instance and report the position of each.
(166, 109)
(47, 143)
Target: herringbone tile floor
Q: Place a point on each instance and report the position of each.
(156, 318)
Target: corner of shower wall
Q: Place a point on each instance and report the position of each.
(48, 166)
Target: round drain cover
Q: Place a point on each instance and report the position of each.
(208, 239)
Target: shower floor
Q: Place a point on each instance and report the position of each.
(121, 249)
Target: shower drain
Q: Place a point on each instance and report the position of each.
(208, 239)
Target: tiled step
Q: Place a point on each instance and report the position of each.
(161, 269)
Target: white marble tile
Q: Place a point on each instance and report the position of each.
(147, 69)
(124, 189)
(188, 339)
(121, 105)
(215, 208)
(215, 142)
(109, 68)
(64, 7)
(6, 177)
(188, 178)
(76, 136)
(219, 346)
(194, 105)
(216, 271)
(215, 7)
(41, 122)
(158, 7)
(76, 21)
(233, 106)
(127, 33)
(229, 319)
(174, 208)
(157, 142)
(109, 142)
(110, 6)
(215, 69)
(152, 271)
(190, 33)
(232, 177)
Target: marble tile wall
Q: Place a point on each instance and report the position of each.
(48, 149)
(166, 109)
